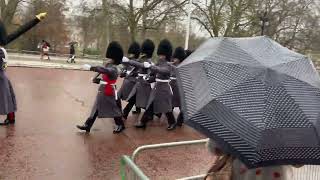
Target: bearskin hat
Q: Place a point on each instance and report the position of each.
(165, 48)
(147, 48)
(115, 52)
(179, 53)
(134, 50)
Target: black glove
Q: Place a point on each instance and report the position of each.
(93, 68)
(96, 80)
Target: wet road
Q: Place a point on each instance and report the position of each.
(44, 143)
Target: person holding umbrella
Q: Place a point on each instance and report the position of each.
(8, 105)
(107, 104)
(178, 56)
(72, 54)
(160, 100)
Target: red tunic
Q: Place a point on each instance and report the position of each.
(108, 90)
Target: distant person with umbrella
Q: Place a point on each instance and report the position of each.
(8, 104)
(72, 54)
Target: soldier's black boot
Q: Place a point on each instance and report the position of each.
(180, 119)
(141, 126)
(118, 129)
(137, 111)
(147, 116)
(171, 121)
(119, 125)
(84, 127)
(171, 127)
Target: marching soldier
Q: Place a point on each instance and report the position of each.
(8, 105)
(160, 100)
(141, 91)
(130, 74)
(178, 56)
(107, 104)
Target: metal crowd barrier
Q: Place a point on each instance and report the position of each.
(130, 171)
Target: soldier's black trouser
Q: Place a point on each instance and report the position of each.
(90, 121)
(180, 118)
(148, 116)
(129, 106)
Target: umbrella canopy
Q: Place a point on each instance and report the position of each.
(73, 43)
(257, 99)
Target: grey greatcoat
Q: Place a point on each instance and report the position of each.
(108, 106)
(175, 90)
(161, 94)
(142, 88)
(130, 74)
(8, 102)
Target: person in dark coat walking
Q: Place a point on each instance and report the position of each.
(142, 89)
(160, 100)
(8, 105)
(107, 104)
(178, 56)
(130, 74)
(72, 54)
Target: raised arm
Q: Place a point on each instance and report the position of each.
(24, 28)
(166, 70)
(103, 70)
(133, 63)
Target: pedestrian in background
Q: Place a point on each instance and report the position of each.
(72, 55)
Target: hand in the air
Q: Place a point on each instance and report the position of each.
(41, 16)
(146, 65)
(125, 59)
(86, 67)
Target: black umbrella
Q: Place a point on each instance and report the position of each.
(257, 99)
(73, 43)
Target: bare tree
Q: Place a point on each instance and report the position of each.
(151, 15)
(8, 10)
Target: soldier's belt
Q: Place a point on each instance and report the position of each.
(163, 80)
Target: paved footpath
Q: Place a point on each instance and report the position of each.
(27, 60)
(44, 143)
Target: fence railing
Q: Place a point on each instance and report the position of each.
(130, 170)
